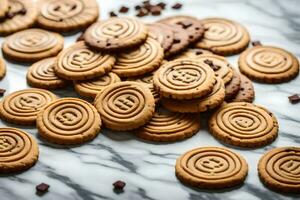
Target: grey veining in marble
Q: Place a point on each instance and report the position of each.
(87, 172)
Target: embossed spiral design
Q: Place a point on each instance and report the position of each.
(44, 70)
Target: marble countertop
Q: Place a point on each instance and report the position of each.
(88, 171)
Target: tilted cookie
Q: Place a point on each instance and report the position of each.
(2, 68)
(161, 33)
(233, 87)
(246, 92)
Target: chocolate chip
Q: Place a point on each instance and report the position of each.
(23, 11)
(119, 185)
(175, 41)
(184, 24)
(177, 6)
(112, 14)
(2, 91)
(155, 10)
(123, 9)
(10, 15)
(256, 43)
(294, 98)
(42, 188)
(211, 64)
(137, 7)
(162, 5)
(142, 12)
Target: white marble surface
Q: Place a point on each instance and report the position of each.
(87, 172)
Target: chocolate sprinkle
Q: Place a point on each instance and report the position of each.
(294, 98)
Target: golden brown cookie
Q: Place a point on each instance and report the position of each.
(243, 124)
(191, 53)
(214, 99)
(233, 87)
(18, 150)
(184, 79)
(2, 68)
(32, 45)
(125, 105)
(161, 33)
(169, 127)
(21, 15)
(116, 33)
(211, 168)
(93, 87)
(41, 75)
(279, 169)
(3, 8)
(68, 121)
(246, 92)
(67, 15)
(223, 37)
(138, 61)
(80, 62)
(269, 64)
(22, 107)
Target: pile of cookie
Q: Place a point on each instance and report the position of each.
(152, 79)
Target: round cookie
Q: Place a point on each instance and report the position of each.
(92, 88)
(125, 105)
(21, 107)
(80, 62)
(2, 68)
(21, 15)
(161, 33)
(211, 168)
(184, 79)
(246, 92)
(3, 8)
(223, 37)
(214, 99)
(138, 61)
(18, 150)
(169, 127)
(32, 45)
(68, 121)
(67, 15)
(191, 53)
(233, 87)
(116, 34)
(278, 169)
(269, 64)
(41, 75)
(243, 124)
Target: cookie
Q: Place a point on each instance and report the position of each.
(68, 121)
(211, 168)
(138, 61)
(246, 92)
(233, 87)
(268, 64)
(19, 150)
(162, 34)
(214, 99)
(21, 15)
(80, 62)
(191, 25)
(67, 15)
(184, 79)
(2, 68)
(125, 105)
(191, 53)
(3, 8)
(21, 107)
(32, 45)
(243, 124)
(223, 37)
(169, 127)
(41, 75)
(116, 33)
(93, 87)
(278, 169)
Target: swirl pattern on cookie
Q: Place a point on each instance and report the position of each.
(80, 62)
(2, 68)
(68, 121)
(223, 36)
(244, 124)
(22, 107)
(116, 33)
(184, 79)
(279, 169)
(18, 150)
(125, 105)
(146, 58)
(211, 168)
(268, 64)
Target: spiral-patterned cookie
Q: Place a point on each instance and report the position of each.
(161, 33)
(22, 107)
(41, 75)
(69, 121)
(246, 92)
(2, 68)
(32, 45)
(184, 79)
(125, 105)
(244, 124)
(279, 169)
(269, 64)
(223, 36)
(21, 14)
(138, 61)
(116, 33)
(80, 62)
(67, 15)
(18, 150)
(93, 87)
(168, 127)
(211, 168)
